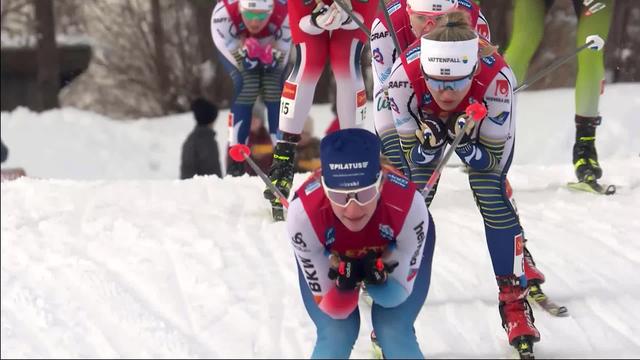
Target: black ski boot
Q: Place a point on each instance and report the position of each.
(281, 175)
(585, 157)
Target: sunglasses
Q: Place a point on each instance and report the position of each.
(362, 196)
(453, 85)
(425, 16)
(250, 15)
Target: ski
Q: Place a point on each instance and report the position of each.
(592, 187)
(540, 298)
(524, 347)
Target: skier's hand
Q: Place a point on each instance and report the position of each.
(346, 272)
(375, 271)
(272, 57)
(327, 17)
(251, 53)
(454, 127)
(432, 135)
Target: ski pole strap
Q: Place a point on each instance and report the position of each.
(353, 17)
(552, 67)
(392, 31)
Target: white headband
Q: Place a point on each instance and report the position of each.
(432, 6)
(258, 5)
(448, 58)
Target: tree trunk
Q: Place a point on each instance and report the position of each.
(160, 59)
(48, 58)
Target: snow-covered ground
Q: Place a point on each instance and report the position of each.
(105, 254)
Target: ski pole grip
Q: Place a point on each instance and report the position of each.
(239, 152)
(476, 112)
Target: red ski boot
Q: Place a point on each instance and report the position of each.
(533, 274)
(517, 316)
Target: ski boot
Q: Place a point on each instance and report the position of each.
(585, 157)
(235, 168)
(517, 316)
(281, 175)
(535, 278)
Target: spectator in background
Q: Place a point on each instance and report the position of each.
(308, 149)
(260, 141)
(200, 149)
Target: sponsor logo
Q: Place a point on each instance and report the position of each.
(465, 59)
(349, 166)
(398, 84)
(311, 187)
(393, 105)
(519, 244)
(361, 98)
(383, 103)
(496, 99)
(412, 274)
(379, 35)
(289, 90)
(230, 120)
(413, 54)
(489, 60)
(443, 60)
(419, 229)
(219, 20)
(329, 236)
(502, 88)
(398, 180)
(394, 7)
(465, 3)
(386, 232)
(311, 274)
(500, 118)
(445, 71)
(377, 56)
(298, 243)
(385, 74)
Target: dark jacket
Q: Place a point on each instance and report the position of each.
(5, 152)
(200, 154)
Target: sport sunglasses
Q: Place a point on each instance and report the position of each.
(453, 85)
(362, 196)
(252, 15)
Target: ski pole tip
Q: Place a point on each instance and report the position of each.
(597, 43)
(238, 152)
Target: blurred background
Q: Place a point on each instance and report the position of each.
(129, 59)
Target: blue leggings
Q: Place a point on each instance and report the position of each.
(393, 326)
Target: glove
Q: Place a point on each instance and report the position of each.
(374, 270)
(328, 17)
(271, 57)
(455, 126)
(346, 272)
(431, 135)
(251, 53)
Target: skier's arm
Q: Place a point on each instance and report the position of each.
(410, 244)
(314, 264)
(382, 52)
(282, 41)
(404, 107)
(485, 152)
(482, 26)
(223, 32)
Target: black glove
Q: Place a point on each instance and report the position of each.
(347, 274)
(432, 135)
(455, 125)
(374, 270)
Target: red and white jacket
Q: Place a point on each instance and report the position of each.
(397, 230)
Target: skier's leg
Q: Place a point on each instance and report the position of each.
(246, 86)
(589, 86)
(527, 32)
(335, 338)
(394, 326)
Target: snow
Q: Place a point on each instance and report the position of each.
(105, 254)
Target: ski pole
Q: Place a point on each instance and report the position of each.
(239, 153)
(353, 17)
(392, 31)
(593, 42)
(474, 112)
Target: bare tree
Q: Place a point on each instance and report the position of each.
(48, 76)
